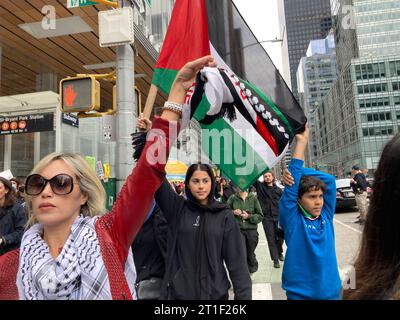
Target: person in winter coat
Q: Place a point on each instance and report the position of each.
(269, 194)
(248, 214)
(12, 218)
(69, 251)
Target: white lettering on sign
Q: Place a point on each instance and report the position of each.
(35, 117)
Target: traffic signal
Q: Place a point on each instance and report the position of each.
(79, 94)
(138, 99)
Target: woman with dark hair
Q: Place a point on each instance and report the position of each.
(12, 218)
(203, 234)
(377, 265)
(19, 190)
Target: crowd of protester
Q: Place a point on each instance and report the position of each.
(193, 239)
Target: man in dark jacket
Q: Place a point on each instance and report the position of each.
(359, 184)
(269, 194)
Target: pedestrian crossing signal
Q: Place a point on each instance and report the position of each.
(79, 94)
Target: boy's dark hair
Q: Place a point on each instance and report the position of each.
(309, 183)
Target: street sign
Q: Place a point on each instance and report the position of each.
(26, 123)
(79, 3)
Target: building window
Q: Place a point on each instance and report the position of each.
(380, 131)
(370, 71)
(372, 88)
(370, 117)
(394, 67)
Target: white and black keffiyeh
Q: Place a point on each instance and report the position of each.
(78, 273)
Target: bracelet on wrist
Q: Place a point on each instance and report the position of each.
(174, 107)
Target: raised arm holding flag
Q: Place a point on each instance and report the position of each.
(256, 131)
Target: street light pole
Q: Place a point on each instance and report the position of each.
(264, 41)
(126, 117)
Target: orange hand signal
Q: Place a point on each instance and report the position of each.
(69, 95)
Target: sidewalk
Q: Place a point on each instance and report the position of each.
(267, 280)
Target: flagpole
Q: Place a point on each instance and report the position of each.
(151, 98)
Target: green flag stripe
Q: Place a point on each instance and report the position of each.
(272, 105)
(163, 79)
(227, 160)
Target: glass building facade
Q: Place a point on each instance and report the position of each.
(354, 127)
(362, 111)
(315, 76)
(305, 20)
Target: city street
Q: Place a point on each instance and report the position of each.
(267, 280)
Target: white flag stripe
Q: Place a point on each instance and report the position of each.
(259, 145)
(221, 64)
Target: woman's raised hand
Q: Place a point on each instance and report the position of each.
(186, 76)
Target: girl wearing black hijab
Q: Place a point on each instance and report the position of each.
(203, 234)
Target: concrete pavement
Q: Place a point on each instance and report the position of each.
(267, 280)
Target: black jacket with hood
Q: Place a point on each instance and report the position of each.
(200, 239)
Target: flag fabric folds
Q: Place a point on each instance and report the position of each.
(244, 133)
(186, 40)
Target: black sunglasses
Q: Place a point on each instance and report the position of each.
(61, 184)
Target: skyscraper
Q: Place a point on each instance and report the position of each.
(361, 112)
(301, 21)
(315, 76)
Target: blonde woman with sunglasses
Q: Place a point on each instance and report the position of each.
(71, 250)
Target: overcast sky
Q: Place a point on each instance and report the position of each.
(262, 18)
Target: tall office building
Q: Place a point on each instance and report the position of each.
(315, 76)
(362, 110)
(301, 21)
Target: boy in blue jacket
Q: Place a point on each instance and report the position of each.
(306, 212)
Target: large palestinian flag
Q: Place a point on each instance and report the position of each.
(243, 131)
(186, 40)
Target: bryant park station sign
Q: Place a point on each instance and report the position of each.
(27, 123)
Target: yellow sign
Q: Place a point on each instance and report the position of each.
(106, 170)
